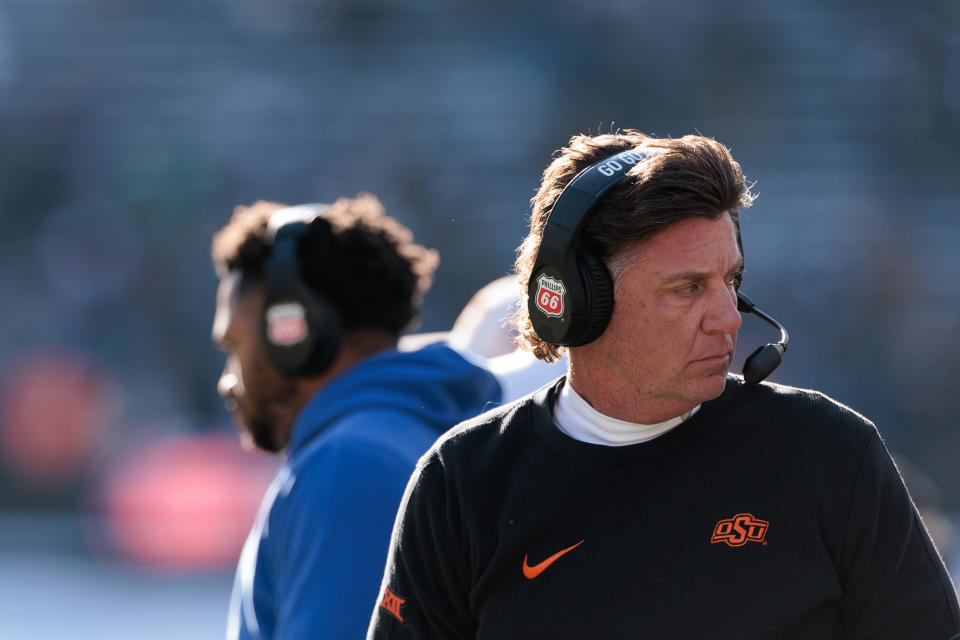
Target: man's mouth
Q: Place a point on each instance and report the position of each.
(717, 358)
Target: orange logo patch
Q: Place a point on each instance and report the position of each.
(532, 572)
(392, 603)
(739, 530)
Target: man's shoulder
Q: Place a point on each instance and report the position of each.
(370, 453)
(376, 433)
(491, 425)
(802, 414)
(486, 440)
(801, 399)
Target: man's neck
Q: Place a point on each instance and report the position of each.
(610, 393)
(358, 344)
(575, 417)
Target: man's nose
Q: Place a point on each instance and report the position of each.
(722, 315)
(227, 385)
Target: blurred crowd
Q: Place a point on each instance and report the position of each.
(129, 130)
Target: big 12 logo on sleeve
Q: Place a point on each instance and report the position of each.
(550, 295)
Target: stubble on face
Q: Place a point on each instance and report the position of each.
(261, 409)
(256, 393)
(670, 341)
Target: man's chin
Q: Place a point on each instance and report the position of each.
(246, 441)
(255, 437)
(710, 386)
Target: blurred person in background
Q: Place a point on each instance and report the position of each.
(311, 302)
(483, 333)
(485, 327)
(649, 492)
(484, 324)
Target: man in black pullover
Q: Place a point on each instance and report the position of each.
(649, 493)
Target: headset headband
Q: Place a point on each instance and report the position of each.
(302, 331)
(284, 229)
(582, 193)
(569, 294)
(305, 213)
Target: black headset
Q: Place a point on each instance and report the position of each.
(302, 330)
(570, 291)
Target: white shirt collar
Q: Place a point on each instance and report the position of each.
(575, 417)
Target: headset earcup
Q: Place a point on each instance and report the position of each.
(598, 287)
(326, 331)
(302, 330)
(312, 353)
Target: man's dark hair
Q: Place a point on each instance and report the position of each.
(692, 176)
(365, 263)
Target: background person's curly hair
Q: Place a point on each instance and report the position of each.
(693, 176)
(364, 262)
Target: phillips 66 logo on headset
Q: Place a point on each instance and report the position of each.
(286, 324)
(550, 295)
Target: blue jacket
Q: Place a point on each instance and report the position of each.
(312, 564)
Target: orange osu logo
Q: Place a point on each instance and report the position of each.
(392, 603)
(739, 530)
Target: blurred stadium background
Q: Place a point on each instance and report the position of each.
(129, 129)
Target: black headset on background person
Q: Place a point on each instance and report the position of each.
(302, 330)
(570, 291)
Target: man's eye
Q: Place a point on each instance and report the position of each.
(687, 290)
